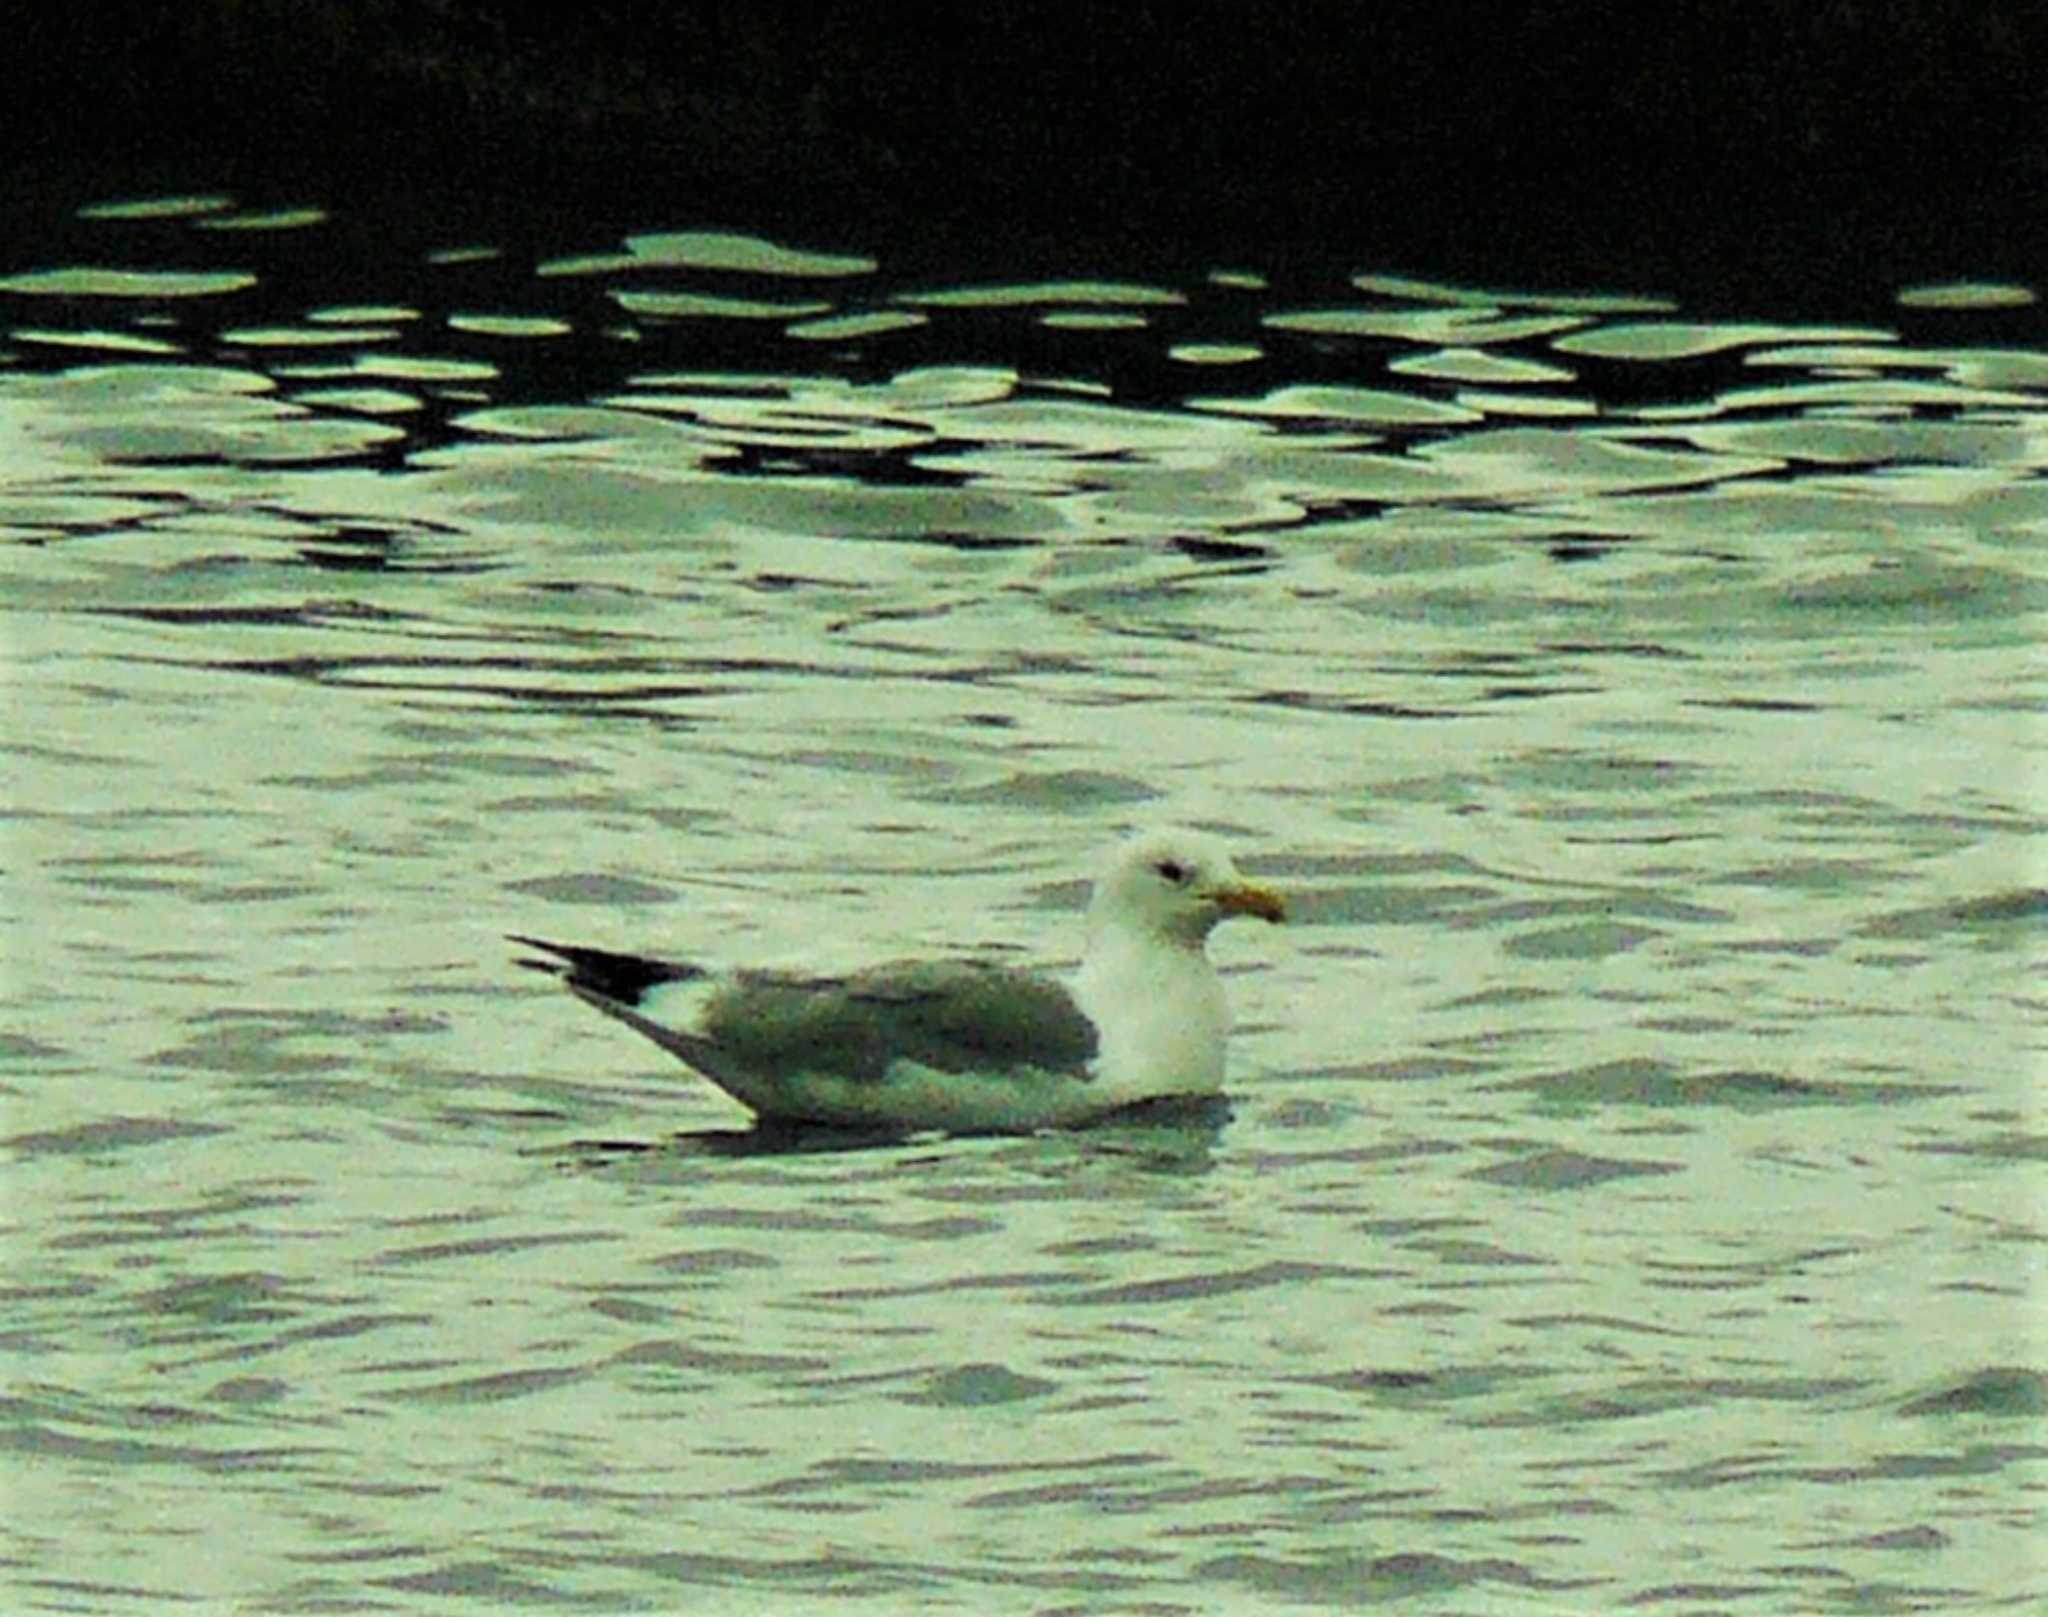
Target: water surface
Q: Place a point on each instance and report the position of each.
(1631, 1191)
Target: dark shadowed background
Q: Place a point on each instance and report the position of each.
(1764, 148)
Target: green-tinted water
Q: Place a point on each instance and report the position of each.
(1632, 1192)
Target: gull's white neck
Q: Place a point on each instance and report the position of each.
(1158, 1006)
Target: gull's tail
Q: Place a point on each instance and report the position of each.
(616, 983)
(621, 978)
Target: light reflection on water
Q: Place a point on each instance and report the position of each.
(1628, 1189)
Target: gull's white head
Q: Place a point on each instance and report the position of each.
(1176, 883)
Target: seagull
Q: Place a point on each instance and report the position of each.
(958, 1045)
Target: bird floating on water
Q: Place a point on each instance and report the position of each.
(961, 1045)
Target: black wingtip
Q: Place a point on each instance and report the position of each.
(621, 977)
(562, 963)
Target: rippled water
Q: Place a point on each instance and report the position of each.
(1632, 1192)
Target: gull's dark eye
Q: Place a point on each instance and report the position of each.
(1173, 870)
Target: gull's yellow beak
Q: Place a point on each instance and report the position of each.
(1245, 898)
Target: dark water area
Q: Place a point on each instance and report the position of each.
(1735, 154)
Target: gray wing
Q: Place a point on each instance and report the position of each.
(950, 1015)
